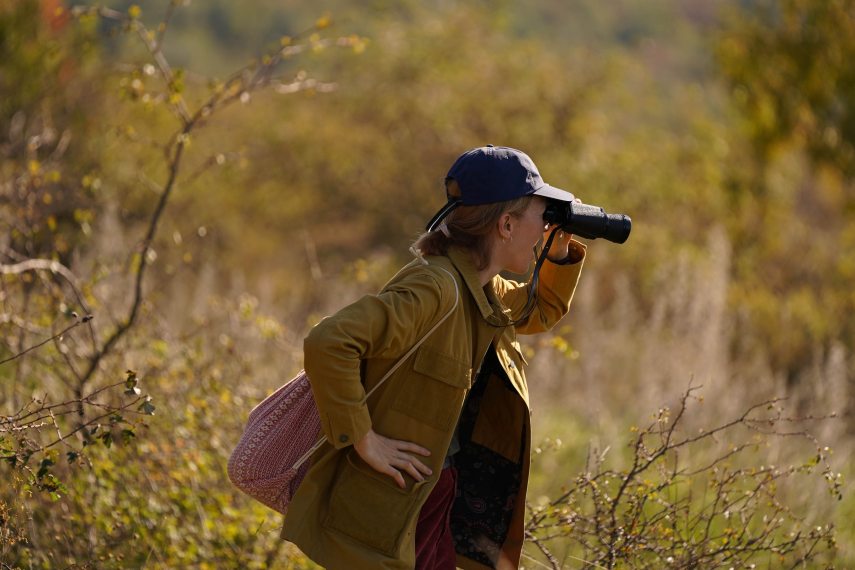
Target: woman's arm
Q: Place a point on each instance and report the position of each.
(385, 326)
(556, 286)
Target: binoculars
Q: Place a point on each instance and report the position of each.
(588, 221)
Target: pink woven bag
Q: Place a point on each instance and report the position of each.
(284, 431)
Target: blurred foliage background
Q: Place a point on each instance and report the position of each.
(724, 128)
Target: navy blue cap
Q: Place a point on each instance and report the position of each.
(491, 174)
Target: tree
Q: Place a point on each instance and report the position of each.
(53, 277)
(789, 67)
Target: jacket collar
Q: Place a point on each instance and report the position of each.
(492, 310)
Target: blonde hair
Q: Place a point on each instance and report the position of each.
(469, 227)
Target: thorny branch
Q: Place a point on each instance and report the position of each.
(56, 268)
(647, 515)
(237, 88)
(38, 415)
(60, 334)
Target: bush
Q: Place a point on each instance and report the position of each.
(691, 499)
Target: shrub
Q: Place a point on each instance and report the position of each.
(690, 499)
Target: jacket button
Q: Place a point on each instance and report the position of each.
(343, 438)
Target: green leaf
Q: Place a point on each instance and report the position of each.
(128, 435)
(131, 380)
(44, 467)
(147, 407)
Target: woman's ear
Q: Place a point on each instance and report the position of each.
(505, 226)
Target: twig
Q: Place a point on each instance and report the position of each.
(634, 522)
(164, 24)
(536, 561)
(56, 268)
(236, 86)
(217, 159)
(44, 342)
(549, 556)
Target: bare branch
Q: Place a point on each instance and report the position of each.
(549, 556)
(649, 516)
(44, 342)
(164, 24)
(218, 159)
(47, 265)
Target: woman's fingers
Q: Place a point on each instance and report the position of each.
(392, 457)
(414, 467)
(410, 468)
(412, 447)
(396, 476)
(424, 469)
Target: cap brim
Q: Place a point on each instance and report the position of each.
(548, 191)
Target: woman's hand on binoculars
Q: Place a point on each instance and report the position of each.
(559, 249)
(392, 456)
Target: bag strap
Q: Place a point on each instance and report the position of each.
(421, 340)
(397, 365)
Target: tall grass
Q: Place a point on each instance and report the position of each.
(604, 380)
(614, 366)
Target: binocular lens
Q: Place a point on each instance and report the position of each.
(588, 221)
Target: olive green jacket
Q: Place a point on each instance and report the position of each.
(345, 515)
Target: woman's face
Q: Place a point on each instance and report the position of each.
(526, 229)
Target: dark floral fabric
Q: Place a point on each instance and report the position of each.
(488, 483)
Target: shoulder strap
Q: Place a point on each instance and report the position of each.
(397, 365)
(421, 340)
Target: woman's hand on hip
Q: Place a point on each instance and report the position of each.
(392, 456)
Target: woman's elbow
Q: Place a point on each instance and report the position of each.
(316, 342)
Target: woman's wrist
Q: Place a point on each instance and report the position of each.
(574, 252)
(558, 252)
(360, 445)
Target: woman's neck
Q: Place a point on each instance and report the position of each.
(486, 275)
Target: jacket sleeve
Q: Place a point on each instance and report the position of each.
(376, 326)
(555, 289)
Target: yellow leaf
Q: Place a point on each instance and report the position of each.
(359, 46)
(33, 166)
(134, 11)
(323, 22)
(51, 222)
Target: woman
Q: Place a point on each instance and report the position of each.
(431, 470)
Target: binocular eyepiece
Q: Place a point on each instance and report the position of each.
(588, 221)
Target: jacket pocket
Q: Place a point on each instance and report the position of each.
(433, 393)
(370, 508)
